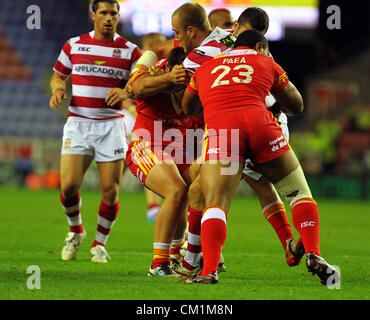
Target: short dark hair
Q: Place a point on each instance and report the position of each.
(95, 4)
(250, 38)
(176, 57)
(256, 17)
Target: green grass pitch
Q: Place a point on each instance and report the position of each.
(33, 227)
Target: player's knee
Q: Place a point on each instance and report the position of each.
(109, 194)
(294, 186)
(69, 190)
(178, 193)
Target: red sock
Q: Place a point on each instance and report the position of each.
(176, 246)
(152, 211)
(106, 218)
(192, 256)
(275, 214)
(71, 207)
(306, 220)
(213, 236)
(153, 205)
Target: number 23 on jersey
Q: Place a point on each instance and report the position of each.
(244, 75)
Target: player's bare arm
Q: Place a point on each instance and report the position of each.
(290, 99)
(191, 104)
(147, 85)
(116, 95)
(58, 90)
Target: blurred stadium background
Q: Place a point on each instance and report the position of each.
(331, 68)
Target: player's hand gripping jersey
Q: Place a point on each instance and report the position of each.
(96, 66)
(242, 78)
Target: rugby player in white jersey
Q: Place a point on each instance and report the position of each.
(201, 47)
(99, 64)
(194, 33)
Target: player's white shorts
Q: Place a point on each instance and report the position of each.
(105, 140)
(129, 121)
(283, 121)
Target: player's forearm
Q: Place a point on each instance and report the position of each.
(147, 86)
(57, 82)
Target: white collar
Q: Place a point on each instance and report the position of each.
(216, 34)
(92, 33)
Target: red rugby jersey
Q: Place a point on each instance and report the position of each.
(235, 80)
(163, 107)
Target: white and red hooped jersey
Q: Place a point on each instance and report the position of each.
(96, 67)
(217, 42)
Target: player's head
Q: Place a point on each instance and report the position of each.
(148, 41)
(252, 18)
(176, 57)
(105, 14)
(254, 40)
(190, 24)
(221, 18)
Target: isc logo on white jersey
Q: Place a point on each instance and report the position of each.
(84, 49)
